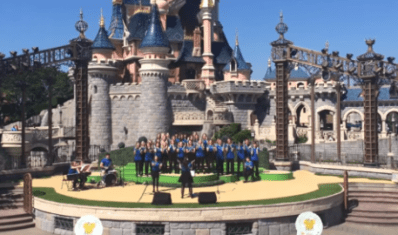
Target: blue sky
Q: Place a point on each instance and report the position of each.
(344, 23)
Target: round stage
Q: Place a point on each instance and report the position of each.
(128, 174)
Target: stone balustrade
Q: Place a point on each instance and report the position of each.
(251, 87)
(194, 85)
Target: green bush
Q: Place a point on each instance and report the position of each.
(120, 157)
(302, 139)
(121, 145)
(142, 138)
(227, 131)
(241, 136)
(263, 158)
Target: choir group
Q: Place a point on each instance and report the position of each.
(167, 154)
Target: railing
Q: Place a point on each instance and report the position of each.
(193, 84)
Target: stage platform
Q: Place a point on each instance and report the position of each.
(128, 174)
(304, 182)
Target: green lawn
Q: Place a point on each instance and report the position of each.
(50, 194)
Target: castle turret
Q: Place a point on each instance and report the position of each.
(116, 28)
(237, 68)
(154, 114)
(208, 69)
(101, 74)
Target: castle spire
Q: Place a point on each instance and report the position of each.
(237, 38)
(155, 36)
(102, 41)
(102, 20)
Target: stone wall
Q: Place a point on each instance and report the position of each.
(241, 114)
(270, 226)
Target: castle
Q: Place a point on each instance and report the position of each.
(166, 66)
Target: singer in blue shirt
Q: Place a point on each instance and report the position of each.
(156, 166)
(254, 157)
(200, 156)
(138, 159)
(248, 169)
(241, 156)
(229, 149)
(219, 157)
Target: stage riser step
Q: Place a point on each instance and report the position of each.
(17, 226)
(10, 196)
(384, 195)
(377, 207)
(377, 215)
(372, 221)
(6, 222)
(375, 200)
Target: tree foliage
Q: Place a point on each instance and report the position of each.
(36, 92)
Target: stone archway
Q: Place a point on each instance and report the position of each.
(322, 114)
(303, 113)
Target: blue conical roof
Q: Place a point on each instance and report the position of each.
(102, 41)
(116, 28)
(240, 61)
(155, 37)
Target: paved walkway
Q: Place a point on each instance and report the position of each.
(303, 182)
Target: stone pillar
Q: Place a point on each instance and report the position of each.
(384, 128)
(342, 131)
(309, 132)
(100, 76)
(256, 128)
(208, 69)
(291, 137)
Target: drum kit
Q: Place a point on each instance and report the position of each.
(111, 177)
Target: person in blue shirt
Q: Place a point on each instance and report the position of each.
(138, 159)
(190, 151)
(200, 156)
(149, 153)
(210, 157)
(219, 157)
(106, 166)
(74, 174)
(254, 157)
(247, 148)
(158, 151)
(248, 169)
(172, 150)
(156, 166)
(165, 156)
(229, 149)
(15, 128)
(180, 155)
(241, 156)
(186, 177)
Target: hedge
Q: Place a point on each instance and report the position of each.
(120, 157)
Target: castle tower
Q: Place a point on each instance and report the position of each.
(237, 68)
(208, 69)
(101, 74)
(154, 114)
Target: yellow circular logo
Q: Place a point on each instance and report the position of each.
(309, 223)
(89, 225)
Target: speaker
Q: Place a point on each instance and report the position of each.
(161, 199)
(207, 198)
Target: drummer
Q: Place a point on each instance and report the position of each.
(106, 166)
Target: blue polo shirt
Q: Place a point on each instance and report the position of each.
(181, 152)
(156, 167)
(230, 153)
(72, 171)
(241, 152)
(186, 169)
(255, 154)
(172, 148)
(200, 152)
(205, 144)
(148, 156)
(137, 155)
(247, 150)
(159, 153)
(107, 162)
(219, 152)
(249, 165)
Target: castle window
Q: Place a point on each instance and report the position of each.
(233, 65)
(95, 90)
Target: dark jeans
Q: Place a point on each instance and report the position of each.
(173, 162)
(200, 163)
(147, 167)
(138, 167)
(230, 163)
(255, 163)
(165, 159)
(210, 160)
(220, 166)
(248, 173)
(240, 161)
(155, 180)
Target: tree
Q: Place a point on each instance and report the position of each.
(36, 92)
